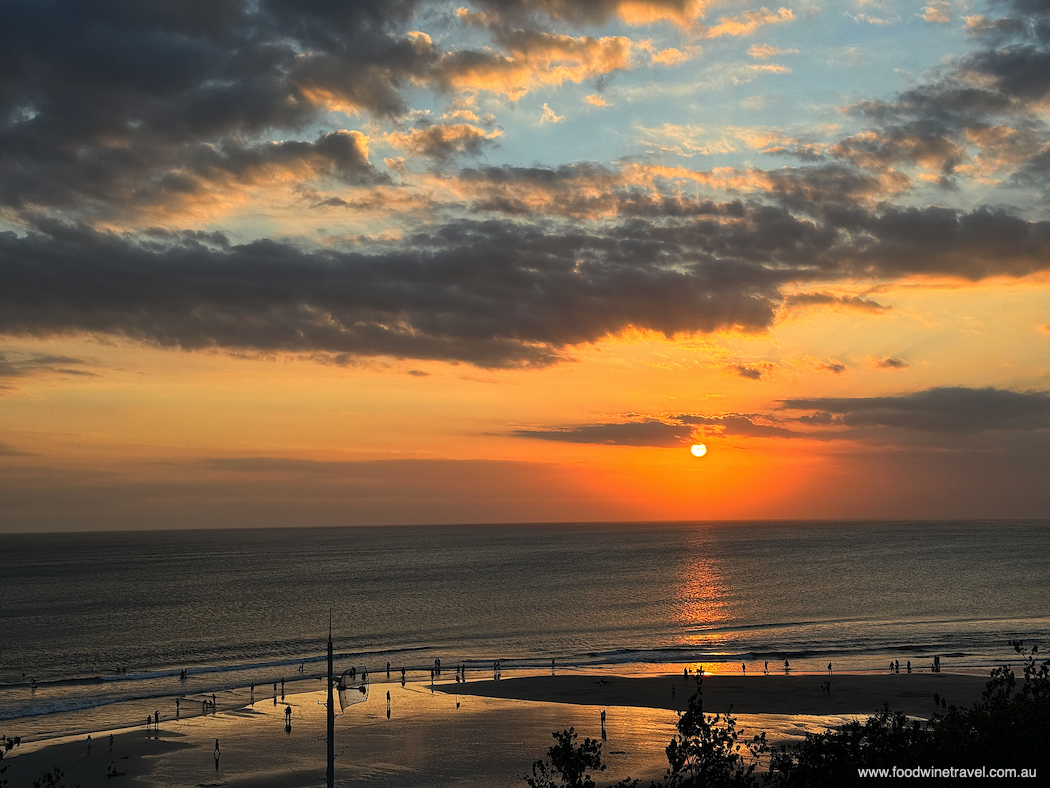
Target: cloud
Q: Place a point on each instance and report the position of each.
(9, 451)
(548, 116)
(534, 58)
(801, 300)
(493, 294)
(938, 11)
(766, 51)
(444, 142)
(888, 363)
(631, 433)
(675, 57)
(954, 410)
(16, 364)
(748, 371)
(597, 101)
(747, 23)
(683, 13)
(671, 431)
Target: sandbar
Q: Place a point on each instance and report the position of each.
(859, 694)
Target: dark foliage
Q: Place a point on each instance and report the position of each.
(1006, 729)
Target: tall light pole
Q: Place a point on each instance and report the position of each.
(331, 709)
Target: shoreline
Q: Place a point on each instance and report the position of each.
(444, 726)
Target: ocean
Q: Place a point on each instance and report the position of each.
(96, 628)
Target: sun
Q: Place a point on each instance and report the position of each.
(698, 450)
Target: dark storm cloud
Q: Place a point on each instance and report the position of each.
(952, 410)
(493, 294)
(100, 100)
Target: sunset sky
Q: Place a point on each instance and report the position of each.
(320, 263)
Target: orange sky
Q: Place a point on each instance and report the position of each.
(510, 268)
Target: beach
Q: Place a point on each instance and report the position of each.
(859, 694)
(472, 734)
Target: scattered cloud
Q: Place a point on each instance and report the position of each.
(888, 363)
(548, 116)
(747, 23)
(667, 431)
(766, 51)
(822, 299)
(444, 142)
(955, 410)
(749, 371)
(938, 11)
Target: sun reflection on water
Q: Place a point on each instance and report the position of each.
(701, 601)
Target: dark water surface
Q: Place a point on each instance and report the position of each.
(238, 607)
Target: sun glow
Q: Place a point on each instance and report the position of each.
(698, 450)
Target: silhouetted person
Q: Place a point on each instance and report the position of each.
(111, 741)
(217, 754)
(909, 666)
(178, 707)
(787, 666)
(765, 668)
(388, 670)
(89, 742)
(388, 704)
(829, 668)
(287, 718)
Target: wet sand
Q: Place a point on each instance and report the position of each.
(483, 733)
(859, 694)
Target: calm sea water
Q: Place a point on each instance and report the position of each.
(105, 622)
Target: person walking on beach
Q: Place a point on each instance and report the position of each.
(156, 720)
(282, 688)
(178, 707)
(217, 754)
(89, 743)
(287, 718)
(909, 666)
(743, 668)
(787, 666)
(213, 703)
(829, 668)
